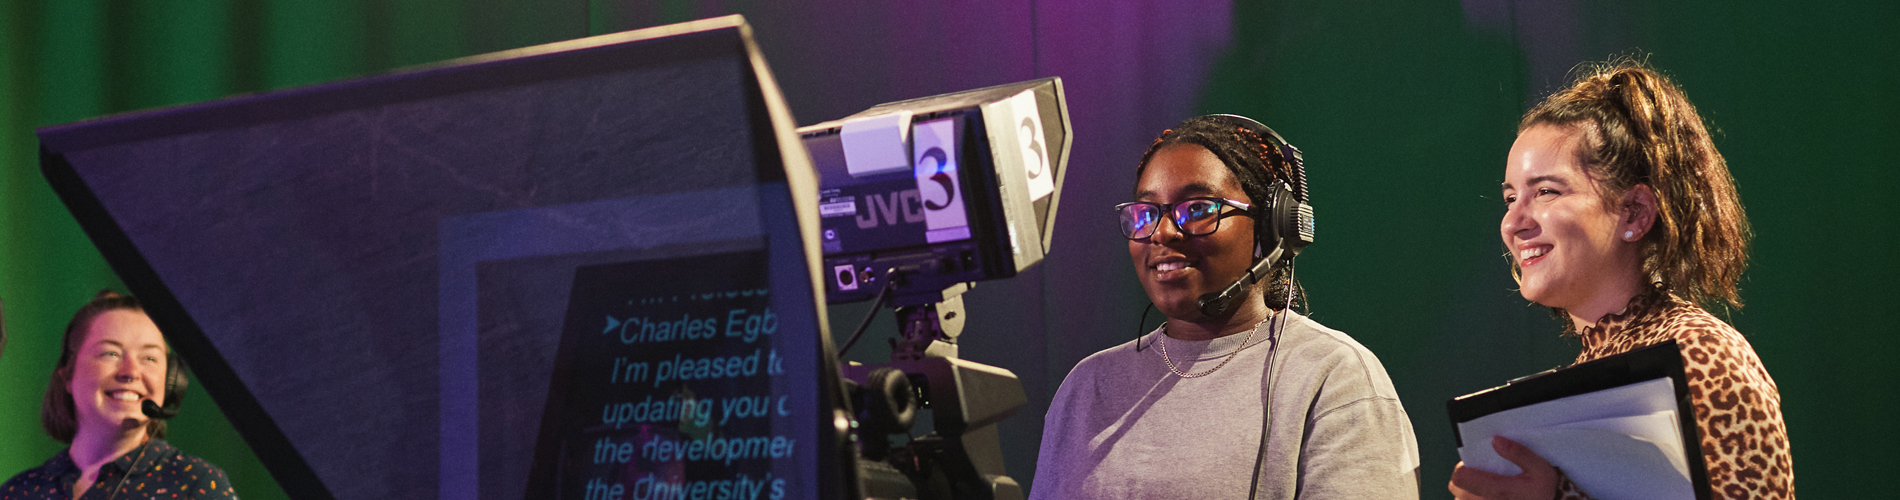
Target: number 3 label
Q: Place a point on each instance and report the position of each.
(1035, 154)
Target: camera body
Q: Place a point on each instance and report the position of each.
(939, 191)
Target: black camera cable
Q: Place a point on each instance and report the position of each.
(877, 304)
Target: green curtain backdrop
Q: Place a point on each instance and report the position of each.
(1405, 110)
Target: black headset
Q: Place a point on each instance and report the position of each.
(175, 384)
(1285, 219)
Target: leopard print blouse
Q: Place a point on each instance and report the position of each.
(1744, 442)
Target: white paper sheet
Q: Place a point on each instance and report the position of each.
(1620, 443)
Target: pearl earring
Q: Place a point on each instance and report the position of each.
(1629, 235)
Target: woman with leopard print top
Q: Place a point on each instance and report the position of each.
(1622, 217)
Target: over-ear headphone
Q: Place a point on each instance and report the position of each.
(1285, 219)
(175, 385)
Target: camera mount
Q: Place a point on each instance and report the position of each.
(962, 457)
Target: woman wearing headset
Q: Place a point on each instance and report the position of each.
(1622, 217)
(1251, 401)
(114, 360)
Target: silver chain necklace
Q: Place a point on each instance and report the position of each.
(1163, 342)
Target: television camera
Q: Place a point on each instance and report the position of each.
(918, 200)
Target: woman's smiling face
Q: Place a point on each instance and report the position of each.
(1561, 233)
(1174, 268)
(119, 365)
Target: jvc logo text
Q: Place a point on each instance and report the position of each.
(890, 207)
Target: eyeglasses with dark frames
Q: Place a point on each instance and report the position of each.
(1199, 216)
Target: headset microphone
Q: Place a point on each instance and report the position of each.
(1215, 304)
(175, 384)
(153, 410)
(1288, 229)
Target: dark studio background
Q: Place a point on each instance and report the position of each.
(1404, 109)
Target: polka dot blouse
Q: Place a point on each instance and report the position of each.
(155, 470)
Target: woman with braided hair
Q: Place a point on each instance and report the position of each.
(1621, 216)
(1249, 400)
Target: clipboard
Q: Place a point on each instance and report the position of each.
(1646, 366)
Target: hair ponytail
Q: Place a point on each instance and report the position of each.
(1640, 129)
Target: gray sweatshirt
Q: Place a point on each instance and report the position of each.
(1124, 426)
